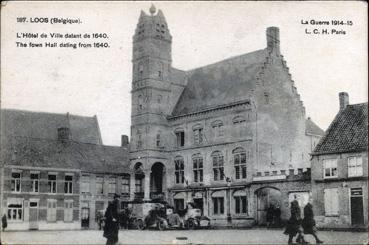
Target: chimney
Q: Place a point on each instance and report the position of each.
(63, 134)
(125, 141)
(272, 34)
(344, 100)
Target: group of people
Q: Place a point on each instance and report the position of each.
(273, 216)
(298, 226)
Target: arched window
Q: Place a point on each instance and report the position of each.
(239, 160)
(140, 102)
(238, 120)
(160, 71)
(240, 202)
(140, 70)
(218, 128)
(179, 170)
(198, 168)
(139, 140)
(218, 165)
(158, 138)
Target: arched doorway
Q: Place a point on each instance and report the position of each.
(267, 197)
(157, 181)
(139, 180)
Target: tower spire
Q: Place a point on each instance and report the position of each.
(152, 9)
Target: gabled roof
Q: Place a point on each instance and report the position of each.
(225, 82)
(31, 152)
(347, 133)
(44, 125)
(313, 129)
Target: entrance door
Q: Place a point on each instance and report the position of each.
(357, 212)
(85, 217)
(199, 204)
(33, 215)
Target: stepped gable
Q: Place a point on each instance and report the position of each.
(347, 133)
(222, 83)
(44, 125)
(312, 128)
(31, 152)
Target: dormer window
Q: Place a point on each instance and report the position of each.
(180, 137)
(198, 134)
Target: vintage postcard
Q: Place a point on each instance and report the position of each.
(136, 122)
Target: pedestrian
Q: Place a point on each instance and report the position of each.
(111, 228)
(277, 216)
(269, 215)
(308, 223)
(293, 227)
(4, 222)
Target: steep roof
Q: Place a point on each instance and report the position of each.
(347, 133)
(32, 152)
(222, 83)
(44, 125)
(312, 128)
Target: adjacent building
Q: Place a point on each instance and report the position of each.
(232, 137)
(340, 169)
(55, 172)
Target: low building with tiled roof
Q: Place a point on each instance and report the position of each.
(56, 174)
(340, 169)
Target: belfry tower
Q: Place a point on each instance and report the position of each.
(150, 96)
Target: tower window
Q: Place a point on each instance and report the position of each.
(158, 140)
(267, 98)
(160, 71)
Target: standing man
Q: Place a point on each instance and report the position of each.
(308, 223)
(4, 222)
(111, 228)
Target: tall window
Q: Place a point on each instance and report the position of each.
(218, 129)
(51, 210)
(179, 170)
(139, 184)
(15, 210)
(140, 71)
(218, 205)
(239, 160)
(139, 139)
(198, 169)
(68, 210)
(112, 185)
(52, 183)
(68, 184)
(330, 168)
(16, 181)
(160, 71)
(85, 184)
(218, 165)
(331, 202)
(125, 186)
(180, 136)
(240, 203)
(99, 185)
(198, 134)
(355, 166)
(158, 138)
(35, 180)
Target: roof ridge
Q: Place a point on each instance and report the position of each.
(227, 59)
(44, 112)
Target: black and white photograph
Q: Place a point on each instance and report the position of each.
(184, 122)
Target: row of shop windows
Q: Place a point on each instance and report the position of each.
(15, 210)
(240, 159)
(354, 164)
(240, 205)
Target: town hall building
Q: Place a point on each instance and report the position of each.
(231, 137)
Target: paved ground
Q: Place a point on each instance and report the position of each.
(253, 236)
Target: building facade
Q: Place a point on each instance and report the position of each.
(55, 172)
(211, 135)
(340, 169)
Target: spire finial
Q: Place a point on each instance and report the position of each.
(152, 9)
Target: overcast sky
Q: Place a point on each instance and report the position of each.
(98, 81)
